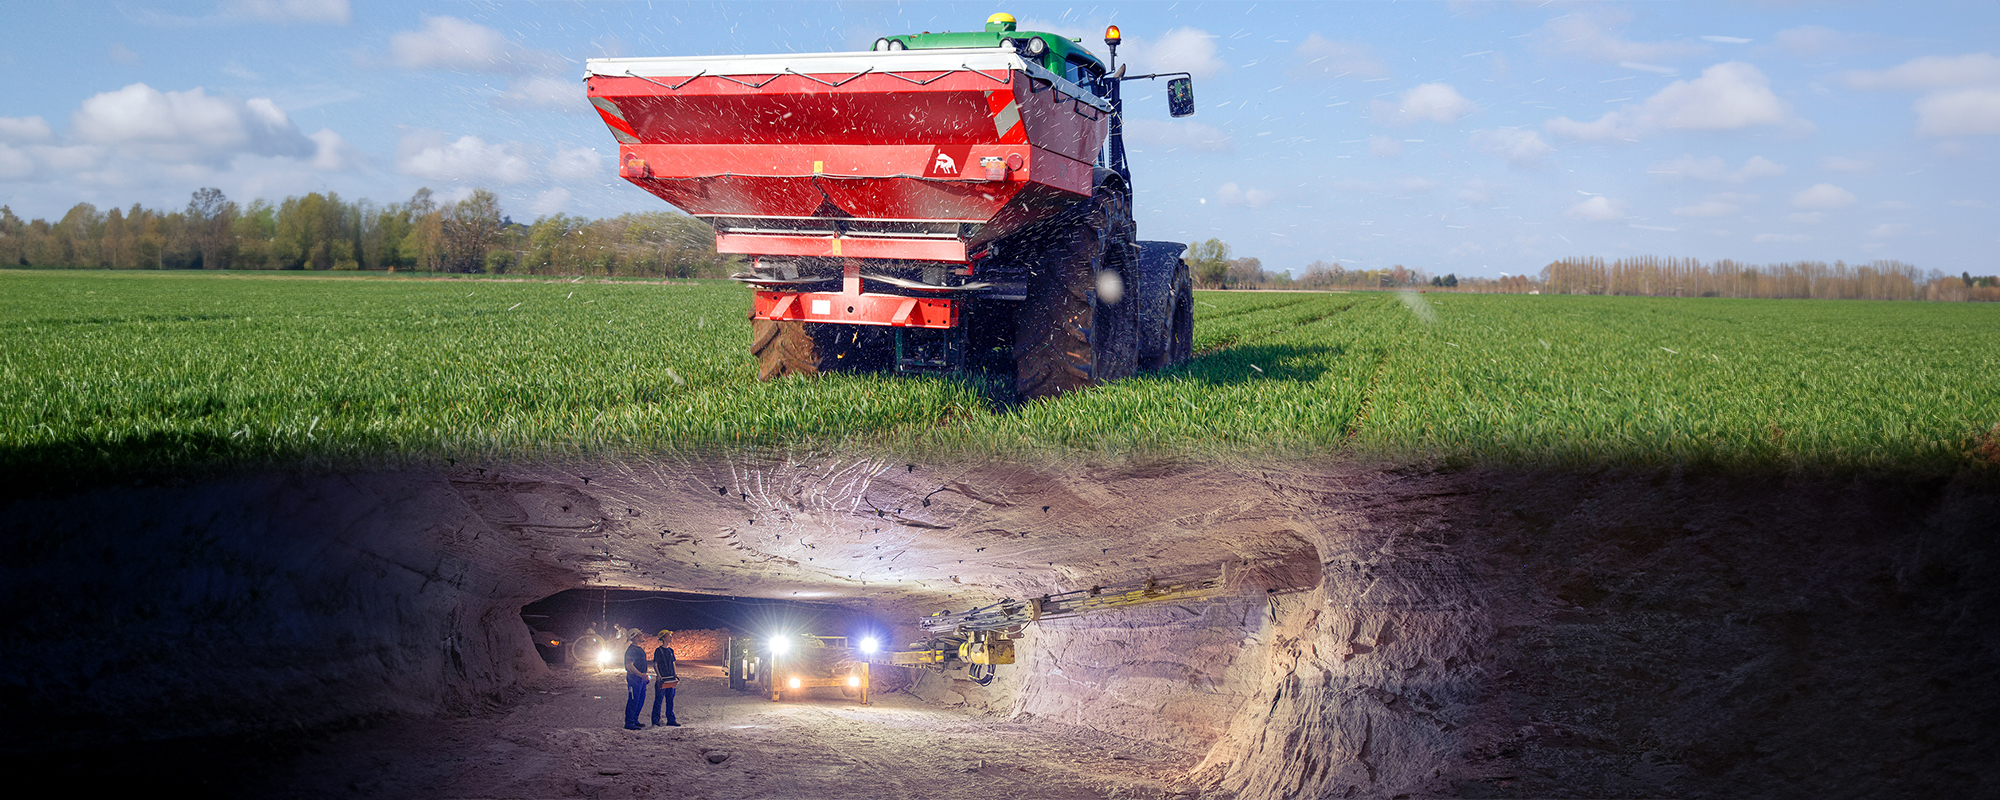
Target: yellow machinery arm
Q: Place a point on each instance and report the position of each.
(983, 638)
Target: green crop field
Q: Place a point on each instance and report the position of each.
(107, 373)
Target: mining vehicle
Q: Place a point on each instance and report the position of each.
(942, 201)
(793, 664)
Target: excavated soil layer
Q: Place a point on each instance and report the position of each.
(1389, 631)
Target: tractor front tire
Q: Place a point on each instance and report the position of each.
(1180, 338)
(1069, 333)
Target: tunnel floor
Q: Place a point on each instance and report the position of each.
(565, 739)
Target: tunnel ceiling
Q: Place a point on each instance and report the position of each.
(892, 531)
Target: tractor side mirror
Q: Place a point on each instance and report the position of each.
(1180, 97)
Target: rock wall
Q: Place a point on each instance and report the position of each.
(256, 604)
(701, 645)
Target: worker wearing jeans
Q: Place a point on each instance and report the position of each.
(635, 679)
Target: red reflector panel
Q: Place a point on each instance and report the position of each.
(862, 309)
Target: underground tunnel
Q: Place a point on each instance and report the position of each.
(1379, 630)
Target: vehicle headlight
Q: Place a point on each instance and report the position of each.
(795, 683)
(780, 644)
(869, 646)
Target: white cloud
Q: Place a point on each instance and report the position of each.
(1190, 50)
(580, 164)
(1174, 134)
(1433, 102)
(1610, 126)
(120, 54)
(1728, 96)
(1959, 112)
(1231, 195)
(14, 164)
(1478, 192)
(1887, 230)
(70, 158)
(1657, 69)
(543, 91)
(24, 129)
(453, 43)
(332, 153)
(1321, 57)
(1598, 209)
(1845, 164)
(1589, 34)
(1726, 39)
(190, 126)
(550, 202)
(1384, 147)
(1783, 238)
(468, 159)
(1714, 169)
(1931, 72)
(328, 12)
(1823, 195)
(1518, 147)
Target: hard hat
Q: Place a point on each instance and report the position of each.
(664, 633)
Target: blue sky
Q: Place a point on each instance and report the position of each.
(1479, 138)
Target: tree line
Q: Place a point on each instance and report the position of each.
(1214, 267)
(1654, 276)
(325, 232)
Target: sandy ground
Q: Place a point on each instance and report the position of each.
(567, 740)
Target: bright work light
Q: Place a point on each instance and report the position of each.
(869, 645)
(780, 645)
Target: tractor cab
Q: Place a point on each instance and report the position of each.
(1064, 57)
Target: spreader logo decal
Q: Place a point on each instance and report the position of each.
(947, 162)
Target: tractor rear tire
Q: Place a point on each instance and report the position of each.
(1068, 337)
(782, 348)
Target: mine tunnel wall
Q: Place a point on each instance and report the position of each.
(269, 603)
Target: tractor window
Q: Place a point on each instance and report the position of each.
(1084, 74)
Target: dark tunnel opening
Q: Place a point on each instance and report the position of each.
(587, 625)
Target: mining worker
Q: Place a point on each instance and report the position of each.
(635, 678)
(665, 676)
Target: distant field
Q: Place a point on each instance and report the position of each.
(165, 371)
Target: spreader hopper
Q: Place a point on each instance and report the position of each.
(899, 154)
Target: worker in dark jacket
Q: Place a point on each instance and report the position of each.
(665, 677)
(635, 678)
